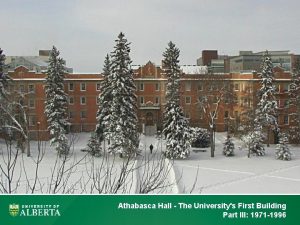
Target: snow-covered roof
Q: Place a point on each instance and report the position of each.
(193, 69)
(135, 67)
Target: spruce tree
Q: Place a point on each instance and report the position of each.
(254, 141)
(265, 115)
(94, 146)
(228, 149)
(267, 106)
(3, 78)
(283, 151)
(294, 94)
(175, 126)
(56, 103)
(3, 91)
(121, 121)
(104, 100)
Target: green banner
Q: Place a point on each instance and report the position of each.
(149, 209)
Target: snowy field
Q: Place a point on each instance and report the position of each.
(150, 173)
(239, 174)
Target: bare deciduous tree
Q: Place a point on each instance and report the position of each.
(218, 92)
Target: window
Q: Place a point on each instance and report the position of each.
(71, 87)
(157, 87)
(286, 103)
(242, 87)
(97, 100)
(82, 100)
(71, 100)
(200, 87)
(187, 100)
(98, 87)
(188, 85)
(236, 87)
(156, 100)
(141, 86)
(187, 115)
(31, 103)
(82, 114)
(226, 114)
(277, 88)
(32, 120)
(82, 86)
(31, 88)
(71, 115)
(285, 87)
(142, 100)
(236, 114)
(22, 88)
(286, 120)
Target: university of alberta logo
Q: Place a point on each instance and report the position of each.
(13, 209)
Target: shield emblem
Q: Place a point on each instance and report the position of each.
(13, 209)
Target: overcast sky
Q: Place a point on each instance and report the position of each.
(84, 30)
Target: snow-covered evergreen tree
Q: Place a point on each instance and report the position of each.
(254, 141)
(104, 99)
(56, 102)
(294, 94)
(282, 150)
(200, 137)
(121, 121)
(3, 91)
(3, 78)
(94, 146)
(176, 128)
(266, 113)
(228, 149)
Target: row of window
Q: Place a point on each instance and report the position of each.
(281, 103)
(188, 87)
(32, 118)
(282, 87)
(212, 87)
(142, 86)
(71, 86)
(236, 87)
(22, 88)
(83, 114)
(83, 100)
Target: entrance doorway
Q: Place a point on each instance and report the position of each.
(149, 119)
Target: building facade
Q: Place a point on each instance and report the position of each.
(236, 91)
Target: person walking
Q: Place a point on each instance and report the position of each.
(151, 148)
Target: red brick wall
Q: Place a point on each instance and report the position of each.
(149, 75)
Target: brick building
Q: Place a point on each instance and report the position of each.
(83, 90)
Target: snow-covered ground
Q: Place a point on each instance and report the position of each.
(239, 174)
(150, 173)
(77, 173)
